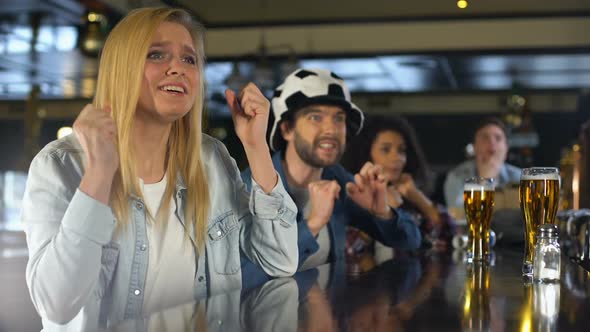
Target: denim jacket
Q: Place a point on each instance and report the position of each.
(400, 232)
(82, 268)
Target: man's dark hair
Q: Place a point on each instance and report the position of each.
(279, 142)
(490, 121)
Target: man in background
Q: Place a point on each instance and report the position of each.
(490, 147)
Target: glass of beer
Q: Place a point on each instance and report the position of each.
(539, 198)
(478, 200)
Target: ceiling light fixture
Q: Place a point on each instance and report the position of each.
(462, 4)
(267, 71)
(92, 34)
(235, 80)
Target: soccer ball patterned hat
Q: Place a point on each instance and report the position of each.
(306, 87)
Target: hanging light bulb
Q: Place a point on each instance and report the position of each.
(264, 75)
(235, 80)
(92, 34)
(462, 4)
(290, 65)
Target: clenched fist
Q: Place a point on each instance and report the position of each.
(250, 110)
(97, 133)
(322, 195)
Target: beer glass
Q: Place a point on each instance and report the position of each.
(478, 200)
(539, 197)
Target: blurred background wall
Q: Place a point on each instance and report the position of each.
(438, 64)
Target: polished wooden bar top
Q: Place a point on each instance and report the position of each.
(406, 293)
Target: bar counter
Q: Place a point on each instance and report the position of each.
(407, 293)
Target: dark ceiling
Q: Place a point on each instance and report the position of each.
(61, 70)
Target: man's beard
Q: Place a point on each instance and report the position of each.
(306, 153)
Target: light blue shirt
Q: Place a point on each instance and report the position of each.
(83, 272)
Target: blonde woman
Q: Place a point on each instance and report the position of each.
(139, 210)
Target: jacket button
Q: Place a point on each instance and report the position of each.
(138, 205)
(137, 292)
(201, 279)
(143, 247)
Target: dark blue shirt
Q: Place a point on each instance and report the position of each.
(399, 232)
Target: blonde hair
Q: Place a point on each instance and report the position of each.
(119, 81)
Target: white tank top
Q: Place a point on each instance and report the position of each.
(171, 265)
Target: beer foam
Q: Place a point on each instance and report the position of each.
(546, 176)
(477, 186)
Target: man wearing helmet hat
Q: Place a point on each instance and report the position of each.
(313, 116)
